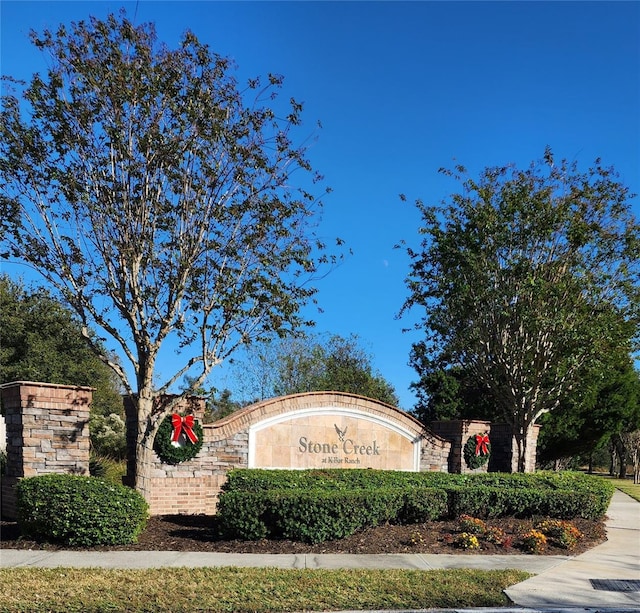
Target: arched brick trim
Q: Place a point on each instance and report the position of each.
(273, 407)
(427, 451)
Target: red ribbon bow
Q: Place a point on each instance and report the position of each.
(183, 423)
(482, 440)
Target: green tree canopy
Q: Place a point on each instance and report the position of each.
(308, 363)
(41, 340)
(452, 394)
(167, 204)
(525, 278)
(604, 406)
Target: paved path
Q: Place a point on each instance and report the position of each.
(594, 578)
(591, 582)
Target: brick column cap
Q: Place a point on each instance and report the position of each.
(462, 421)
(49, 385)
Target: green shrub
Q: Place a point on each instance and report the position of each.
(316, 516)
(423, 504)
(338, 479)
(108, 436)
(488, 502)
(265, 479)
(79, 511)
(242, 515)
(315, 505)
(310, 516)
(97, 466)
(569, 504)
(476, 501)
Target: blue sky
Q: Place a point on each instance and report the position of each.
(402, 89)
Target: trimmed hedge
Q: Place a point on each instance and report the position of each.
(253, 479)
(489, 502)
(346, 479)
(79, 511)
(319, 515)
(317, 505)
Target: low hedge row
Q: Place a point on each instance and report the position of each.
(79, 511)
(346, 479)
(318, 515)
(490, 502)
(318, 505)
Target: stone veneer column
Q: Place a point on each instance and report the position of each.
(194, 405)
(504, 449)
(47, 432)
(458, 432)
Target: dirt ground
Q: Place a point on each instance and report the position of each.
(200, 533)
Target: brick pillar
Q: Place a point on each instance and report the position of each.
(47, 432)
(458, 432)
(504, 449)
(194, 405)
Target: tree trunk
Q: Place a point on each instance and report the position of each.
(613, 466)
(622, 455)
(146, 428)
(522, 455)
(521, 443)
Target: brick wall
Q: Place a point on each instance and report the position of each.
(434, 453)
(193, 486)
(47, 432)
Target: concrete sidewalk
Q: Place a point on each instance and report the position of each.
(590, 582)
(174, 559)
(595, 578)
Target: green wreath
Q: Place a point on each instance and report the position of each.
(170, 454)
(472, 459)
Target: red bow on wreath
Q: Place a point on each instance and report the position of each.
(183, 423)
(482, 440)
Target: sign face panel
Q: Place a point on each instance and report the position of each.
(332, 438)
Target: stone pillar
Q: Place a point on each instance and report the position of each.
(504, 449)
(47, 432)
(458, 432)
(193, 405)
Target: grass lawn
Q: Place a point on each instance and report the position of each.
(237, 590)
(627, 486)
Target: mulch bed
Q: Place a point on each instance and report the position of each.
(200, 533)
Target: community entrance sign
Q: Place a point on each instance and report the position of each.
(47, 432)
(334, 437)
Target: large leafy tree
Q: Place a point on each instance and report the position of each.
(158, 197)
(525, 278)
(41, 340)
(604, 406)
(452, 394)
(308, 363)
